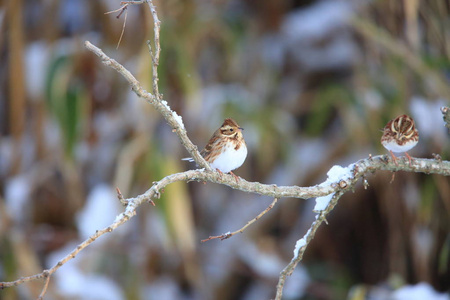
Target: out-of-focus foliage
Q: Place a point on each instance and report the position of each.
(312, 83)
(65, 100)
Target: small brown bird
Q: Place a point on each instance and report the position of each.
(400, 135)
(226, 149)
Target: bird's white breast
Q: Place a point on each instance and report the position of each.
(394, 147)
(230, 159)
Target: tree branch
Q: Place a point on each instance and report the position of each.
(156, 49)
(303, 243)
(359, 170)
(230, 234)
(130, 211)
(339, 186)
(174, 120)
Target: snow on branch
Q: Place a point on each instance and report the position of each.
(340, 181)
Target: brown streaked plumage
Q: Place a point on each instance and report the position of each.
(229, 131)
(226, 149)
(400, 135)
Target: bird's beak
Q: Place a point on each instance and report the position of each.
(241, 128)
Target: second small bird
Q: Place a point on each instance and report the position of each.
(400, 135)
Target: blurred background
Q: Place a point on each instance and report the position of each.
(312, 82)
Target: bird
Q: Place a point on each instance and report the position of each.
(226, 150)
(400, 135)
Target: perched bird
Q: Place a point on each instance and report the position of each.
(226, 149)
(400, 135)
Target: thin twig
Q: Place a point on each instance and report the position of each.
(230, 234)
(123, 27)
(44, 288)
(124, 9)
(156, 49)
(120, 196)
(120, 10)
(121, 219)
(133, 2)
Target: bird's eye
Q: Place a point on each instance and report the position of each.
(231, 129)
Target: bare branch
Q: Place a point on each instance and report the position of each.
(360, 169)
(230, 234)
(44, 289)
(155, 52)
(156, 49)
(120, 10)
(160, 105)
(303, 243)
(133, 2)
(123, 26)
(130, 211)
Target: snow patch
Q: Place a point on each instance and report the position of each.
(295, 288)
(177, 118)
(17, 193)
(101, 206)
(74, 283)
(265, 264)
(337, 173)
(316, 21)
(36, 59)
(428, 117)
(322, 202)
(320, 30)
(162, 287)
(419, 291)
(300, 243)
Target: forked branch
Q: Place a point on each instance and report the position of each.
(230, 234)
(359, 170)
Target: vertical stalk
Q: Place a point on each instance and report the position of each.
(16, 93)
